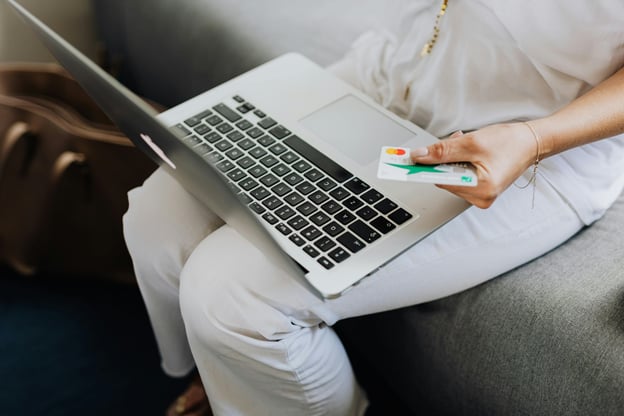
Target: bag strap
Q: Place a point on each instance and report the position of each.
(19, 131)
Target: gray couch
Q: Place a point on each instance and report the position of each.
(544, 339)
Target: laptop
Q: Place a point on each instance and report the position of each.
(287, 155)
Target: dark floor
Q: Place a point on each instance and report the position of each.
(77, 347)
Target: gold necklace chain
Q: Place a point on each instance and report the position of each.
(426, 50)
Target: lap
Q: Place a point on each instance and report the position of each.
(474, 247)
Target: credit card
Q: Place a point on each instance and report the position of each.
(396, 164)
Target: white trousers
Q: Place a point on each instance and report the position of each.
(262, 343)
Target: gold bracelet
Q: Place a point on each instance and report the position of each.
(533, 178)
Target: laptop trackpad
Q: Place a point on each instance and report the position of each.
(356, 129)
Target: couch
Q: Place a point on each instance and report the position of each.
(544, 339)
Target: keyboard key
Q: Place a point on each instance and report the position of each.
(400, 216)
(260, 193)
(297, 240)
(289, 157)
(269, 161)
(338, 255)
(363, 231)
(246, 144)
(305, 187)
(292, 179)
(203, 148)
(385, 206)
(234, 153)
(306, 208)
(254, 133)
(356, 186)
(351, 242)
(214, 120)
(331, 207)
(192, 122)
(260, 113)
(272, 202)
(313, 175)
(180, 130)
(371, 196)
(338, 173)
(344, 217)
(277, 149)
(257, 208)
(311, 233)
(352, 203)
(320, 218)
(225, 128)
(244, 124)
(366, 213)
(302, 166)
(238, 99)
(281, 170)
(223, 145)
(213, 137)
(270, 218)
(202, 129)
(267, 123)
(281, 189)
(326, 184)
(257, 152)
(283, 228)
(236, 174)
(333, 228)
(248, 184)
(325, 263)
(266, 140)
(227, 112)
(324, 244)
(298, 222)
(245, 162)
(225, 165)
(235, 136)
(311, 251)
(285, 212)
(339, 193)
(257, 171)
(382, 225)
(294, 199)
(279, 131)
(269, 180)
(318, 197)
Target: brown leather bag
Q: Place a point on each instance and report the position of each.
(65, 171)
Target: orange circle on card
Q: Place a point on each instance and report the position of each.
(394, 151)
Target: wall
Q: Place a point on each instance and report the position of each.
(73, 19)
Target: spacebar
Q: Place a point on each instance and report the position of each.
(319, 159)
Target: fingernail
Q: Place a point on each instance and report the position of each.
(419, 151)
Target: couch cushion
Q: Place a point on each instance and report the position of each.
(172, 50)
(544, 339)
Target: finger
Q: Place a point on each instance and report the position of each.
(444, 151)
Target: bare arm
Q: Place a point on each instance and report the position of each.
(502, 152)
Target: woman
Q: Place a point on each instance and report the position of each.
(536, 86)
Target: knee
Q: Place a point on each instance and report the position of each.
(224, 301)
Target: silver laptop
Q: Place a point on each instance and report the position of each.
(287, 155)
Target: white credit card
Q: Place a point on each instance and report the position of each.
(396, 164)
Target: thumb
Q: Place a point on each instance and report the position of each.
(443, 151)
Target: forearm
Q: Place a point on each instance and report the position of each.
(595, 115)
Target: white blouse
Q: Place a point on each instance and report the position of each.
(497, 61)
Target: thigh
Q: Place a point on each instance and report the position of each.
(476, 246)
(163, 225)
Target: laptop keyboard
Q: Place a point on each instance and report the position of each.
(321, 207)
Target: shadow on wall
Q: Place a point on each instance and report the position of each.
(72, 18)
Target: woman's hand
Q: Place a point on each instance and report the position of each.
(499, 153)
